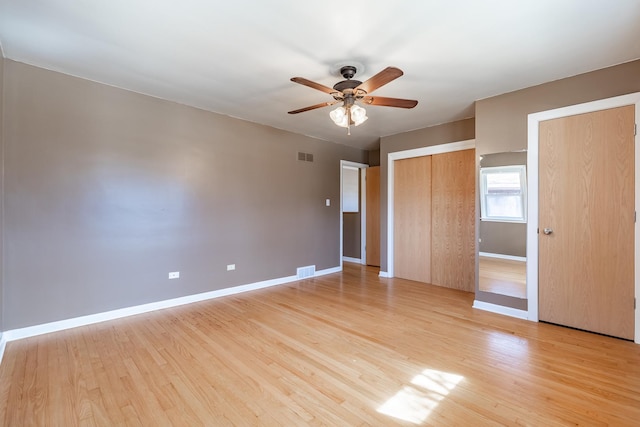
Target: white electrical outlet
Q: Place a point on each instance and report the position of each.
(231, 267)
(327, 202)
(174, 275)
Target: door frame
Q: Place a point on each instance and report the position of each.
(407, 154)
(363, 210)
(534, 120)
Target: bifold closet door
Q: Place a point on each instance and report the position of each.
(453, 204)
(412, 218)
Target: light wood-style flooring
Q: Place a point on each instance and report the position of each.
(503, 276)
(347, 349)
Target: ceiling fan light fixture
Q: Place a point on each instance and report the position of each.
(358, 115)
(339, 117)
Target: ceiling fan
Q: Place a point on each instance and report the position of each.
(349, 91)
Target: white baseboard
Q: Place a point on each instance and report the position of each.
(350, 259)
(326, 271)
(502, 256)
(45, 328)
(3, 344)
(383, 274)
(507, 311)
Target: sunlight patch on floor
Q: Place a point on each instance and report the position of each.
(415, 403)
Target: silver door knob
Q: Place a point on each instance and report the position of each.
(547, 231)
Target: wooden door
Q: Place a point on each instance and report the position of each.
(586, 203)
(453, 250)
(412, 218)
(373, 216)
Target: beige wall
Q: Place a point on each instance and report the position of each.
(106, 191)
(352, 235)
(450, 132)
(501, 121)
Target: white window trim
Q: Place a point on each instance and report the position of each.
(522, 170)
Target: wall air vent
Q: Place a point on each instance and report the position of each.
(305, 157)
(308, 271)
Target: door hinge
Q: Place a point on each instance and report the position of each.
(635, 129)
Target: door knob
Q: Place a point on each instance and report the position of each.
(547, 231)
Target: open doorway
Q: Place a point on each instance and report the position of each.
(353, 208)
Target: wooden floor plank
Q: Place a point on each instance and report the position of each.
(344, 349)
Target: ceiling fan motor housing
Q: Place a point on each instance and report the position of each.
(348, 71)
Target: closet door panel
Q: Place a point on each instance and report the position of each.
(453, 220)
(412, 218)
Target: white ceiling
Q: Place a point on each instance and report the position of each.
(236, 57)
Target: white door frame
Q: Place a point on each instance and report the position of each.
(407, 154)
(363, 210)
(533, 163)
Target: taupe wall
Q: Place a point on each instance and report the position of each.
(505, 238)
(450, 132)
(374, 157)
(352, 235)
(501, 121)
(106, 191)
(2, 61)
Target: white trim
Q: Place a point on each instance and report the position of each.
(3, 345)
(521, 170)
(534, 120)
(30, 331)
(351, 259)
(500, 309)
(327, 271)
(363, 217)
(407, 154)
(352, 165)
(503, 256)
(383, 274)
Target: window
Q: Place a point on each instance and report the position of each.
(503, 193)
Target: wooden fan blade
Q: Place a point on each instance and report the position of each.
(389, 102)
(314, 85)
(382, 78)
(313, 107)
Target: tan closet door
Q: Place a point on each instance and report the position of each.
(586, 203)
(373, 215)
(412, 218)
(453, 249)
